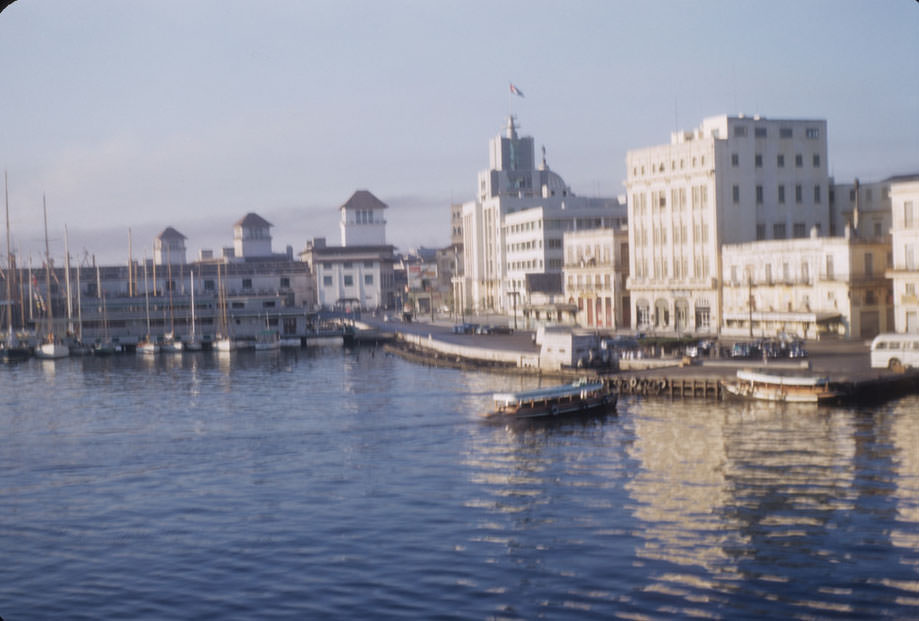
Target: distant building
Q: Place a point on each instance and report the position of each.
(863, 207)
(735, 179)
(359, 273)
(169, 247)
(362, 222)
(904, 198)
(596, 271)
(515, 225)
(816, 287)
(252, 237)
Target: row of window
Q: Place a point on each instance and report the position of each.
(699, 196)
(780, 194)
(779, 230)
(697, 162)
(348, 280)
(740, 131)
(681, 265)
(680, 234)
(345, 265)
(779, 160)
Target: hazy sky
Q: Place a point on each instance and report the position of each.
(191, 113)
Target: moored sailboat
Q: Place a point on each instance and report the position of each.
(51, 347)
(12, 350)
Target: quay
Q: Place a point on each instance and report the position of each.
(845, 363)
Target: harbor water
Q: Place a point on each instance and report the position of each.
(352, 484)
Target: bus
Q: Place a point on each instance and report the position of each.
(893, 351)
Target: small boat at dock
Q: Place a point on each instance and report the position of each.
(762, 386)
(580, 397)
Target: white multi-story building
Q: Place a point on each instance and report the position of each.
(359, 273)
(821, 286)
(596, 269)
(169, 248)
(734, 179)
(904, 198)
(252, 237)
(515, 225)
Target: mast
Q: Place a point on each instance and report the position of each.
(67, 280)
(146, 296)
(9, 264)
(192, 279)
(44, 206)
(79, 308)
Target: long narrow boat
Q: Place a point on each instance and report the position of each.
(579, 397)
(780, 388)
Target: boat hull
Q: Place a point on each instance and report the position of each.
(526, 407)
(52, 351)
(754, 386)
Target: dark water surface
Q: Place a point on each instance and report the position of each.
(342, 484)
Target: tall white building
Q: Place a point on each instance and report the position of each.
(169, 248)
(252, 237)
(734, 179)
(362, 222)
(904, 199)
(515, 226)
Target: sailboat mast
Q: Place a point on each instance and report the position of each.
(9, 261)
(146, 296)
(44, 206)
(192, 279)
(67, 280)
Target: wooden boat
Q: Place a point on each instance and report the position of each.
(580, 397)
(780, 388)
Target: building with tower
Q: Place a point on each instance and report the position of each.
(515, 226)
(252, 237)
(169, 247)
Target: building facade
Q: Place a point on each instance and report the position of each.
(904, 198)
(812, 288)
(596, 271)
(515, 225)
(734, 179)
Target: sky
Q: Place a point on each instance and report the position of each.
(192, 113)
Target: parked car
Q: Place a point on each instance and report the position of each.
(502, 330)
(464, 328)
(741, 350)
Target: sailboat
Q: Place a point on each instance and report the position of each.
(74, 331)
(51, 348)
(267, 339)
(170, 343)
(147, 345)
(12, 350)
(105, 346)
(224, 342)
(192, 343)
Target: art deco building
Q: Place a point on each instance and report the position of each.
(515, 226)
(734, 179)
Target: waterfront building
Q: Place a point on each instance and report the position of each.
(169, 247)
(516, 223)
(252, 237)
(812, 288)
(863, 207)
(904, 198)
(359, 273)
(734, 179)
(596, 271)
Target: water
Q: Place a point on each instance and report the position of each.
(351, 484)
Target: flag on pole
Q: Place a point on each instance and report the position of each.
(516, 91)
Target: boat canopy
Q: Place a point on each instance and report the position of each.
(555, 392)
(782, 380)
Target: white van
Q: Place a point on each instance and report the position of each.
(891, 351)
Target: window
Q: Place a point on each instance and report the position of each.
(908, 214)
(368, 263)
(799, 195)
(829, 267)
(735, 159)
(759, 132)
(740, 131)
(368, 279)
(786, 272)
(758, 160)
(349, 280)
(781, 194)
(760, 232)
(870, 298)
(285, 282)
(778, 230)
(326, 281)
(799, 160)
(247, 283)
(805, 272)
(869, 264)
(816, 159)
(209, 285)
(768, 267)
(759, 195)
(346, 265)
(735, 194)
(799, 230)
(784, 132)
(816, 194)
(780, 161)
(812, 132)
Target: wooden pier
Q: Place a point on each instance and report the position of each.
(682, 387)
